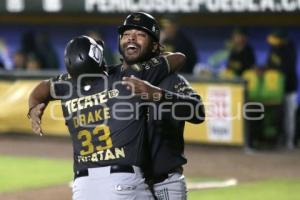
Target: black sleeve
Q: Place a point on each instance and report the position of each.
(155, 70)
(60, 87)
(187, 103)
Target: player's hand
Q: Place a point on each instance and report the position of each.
(36, 115)
(142, 88)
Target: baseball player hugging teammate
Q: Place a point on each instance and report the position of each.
(105, 108)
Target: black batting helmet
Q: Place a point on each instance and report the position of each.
(143, 21)
(83, 55)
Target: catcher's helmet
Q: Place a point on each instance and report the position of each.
(143, 21)
(83, 55)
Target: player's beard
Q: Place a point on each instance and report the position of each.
(142, 54)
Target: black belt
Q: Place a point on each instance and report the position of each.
(163, 177)
(113, 169)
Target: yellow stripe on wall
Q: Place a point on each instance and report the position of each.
(14, 107)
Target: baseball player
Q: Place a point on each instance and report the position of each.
(165, 136)
(107, 156)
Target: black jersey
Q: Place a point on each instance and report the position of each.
(165, 137)
(107, 123)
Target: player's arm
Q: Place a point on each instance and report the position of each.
(156, 69)
(37, 102)
(175, 60)
(40, 94)
(187, 103)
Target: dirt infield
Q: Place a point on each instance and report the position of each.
(204, 161)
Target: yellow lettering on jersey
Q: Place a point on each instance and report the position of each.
(75, 122)
(82, 120)
(88, 102)
(100, 154)
(94, 157)
(80, 107)
(109, 155)
(68, 106)
(94, 97)
(97, 115)
(80, 103)
(106, 113)
(113, 93)
(90, 118)
(119, 153)
(102, 96)
(79, 158)
(73, 105)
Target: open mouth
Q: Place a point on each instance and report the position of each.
(131, 48)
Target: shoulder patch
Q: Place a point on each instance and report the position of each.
(155, 61)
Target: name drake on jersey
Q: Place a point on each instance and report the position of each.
(78, 104)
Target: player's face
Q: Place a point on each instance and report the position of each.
(135, 46)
